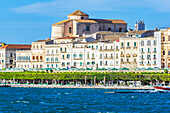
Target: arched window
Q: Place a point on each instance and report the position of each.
(82, 17)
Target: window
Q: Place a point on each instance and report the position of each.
(61, 49)
(134, 59)
(68, 63)
(47, 59)
(168, 52)
(100, 62)
(148, 50)
(127, 60)
(100, 47)
(96, 47)
(93, 62)
(122, 60)
(56, 65)
(56, 59)
(92, 55)
(10, 54)
(47, 51)
(122, 44)
(80, 55)
(68, 55)
(148, 57)
(81, 63)
(154, 62)
(163, 52)
(56, 51)
(142, 43)
(52, 65)
(116, 47)
(88, 56)
(88, 63)
(100, 55)
(141, 62)
(69, 29)
(154, 50)
(106, 63)
(36, 57)
(106, 56)
(47, 66)
(111, 55)
(109, 29)
(52, 52)
(148, 62)
(154, 42)
(127, 44)
(92, 46)
(163, 38)
(134, 44)
(169, 38)
(87, 28)
(41, 57)
(154, 56)
(142, 50)
(52, 59)
(148, 43)
(74, 55)
(142, 57)
(82, 17)
(63, 64)
(63, 56)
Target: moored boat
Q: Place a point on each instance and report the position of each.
(164, 88)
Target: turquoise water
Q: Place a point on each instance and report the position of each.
(80, 100)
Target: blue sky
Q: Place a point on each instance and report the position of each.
(25, 21)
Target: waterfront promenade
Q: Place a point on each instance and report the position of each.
(83, 87)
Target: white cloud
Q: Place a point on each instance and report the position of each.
(57, 7)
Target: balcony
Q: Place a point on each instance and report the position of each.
(142, 59)
(134, 62)
(128, 63)
(135, 55)
(109, 50)
(128, 55)
(154, 51)
(135, 47)
(127, 47)
(121, 62)
(121, 47)
(142, 64)
(154, 58)
(92, 58)
(117, 49)
(77, 58)
(142, 52)
(148, 58)
(108, 57)
(148, 64)
(63, 51)
(122, 55)
(149, 52)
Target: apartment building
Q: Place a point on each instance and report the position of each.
(149, 52)
(165, 47)
(83, 55)
(129, 52)
(8, 55)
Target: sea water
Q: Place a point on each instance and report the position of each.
(81, 100)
